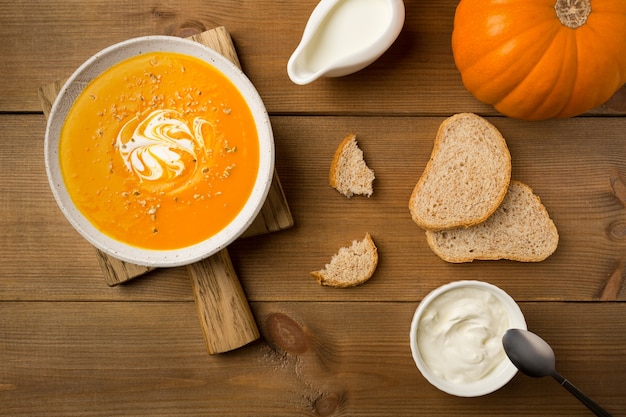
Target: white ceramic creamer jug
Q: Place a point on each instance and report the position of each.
(345, 36)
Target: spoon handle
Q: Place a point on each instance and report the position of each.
(592, 405)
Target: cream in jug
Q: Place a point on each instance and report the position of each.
(344, 36)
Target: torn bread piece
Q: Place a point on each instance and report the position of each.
(350, 266)
(520, 230)
(467, 175)
(349, 174)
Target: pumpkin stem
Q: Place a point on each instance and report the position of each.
(573, 13)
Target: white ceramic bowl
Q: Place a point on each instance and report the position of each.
(99, 63)
(503, 371)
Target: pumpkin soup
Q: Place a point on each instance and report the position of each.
(160, 151)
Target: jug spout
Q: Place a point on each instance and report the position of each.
(299, 70)
(345, 36)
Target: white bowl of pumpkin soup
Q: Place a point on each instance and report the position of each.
(159, 151)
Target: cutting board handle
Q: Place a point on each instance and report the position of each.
(225, 316)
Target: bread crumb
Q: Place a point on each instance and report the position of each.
(350, 266)
(349, 173)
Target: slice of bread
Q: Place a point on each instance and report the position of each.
(519, 230)
(349, 174)
(467, 175)
(350, 266)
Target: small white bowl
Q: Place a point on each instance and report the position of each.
(100, 62)
(503, 371)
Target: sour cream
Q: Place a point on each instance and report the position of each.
(459, 334)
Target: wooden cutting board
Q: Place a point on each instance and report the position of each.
(225, 316)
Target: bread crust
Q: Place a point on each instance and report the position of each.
(500, 175)
(333, 174)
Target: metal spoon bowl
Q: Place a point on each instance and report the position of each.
(534, 357)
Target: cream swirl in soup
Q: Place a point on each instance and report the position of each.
(163, 146)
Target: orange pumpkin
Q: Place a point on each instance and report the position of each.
(539, 59)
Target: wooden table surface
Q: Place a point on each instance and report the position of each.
(70, 345)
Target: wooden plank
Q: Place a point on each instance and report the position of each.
(315, 358)
(569, 163)
(116, 271)
(416, 76)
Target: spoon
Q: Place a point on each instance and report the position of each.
(534, 357)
